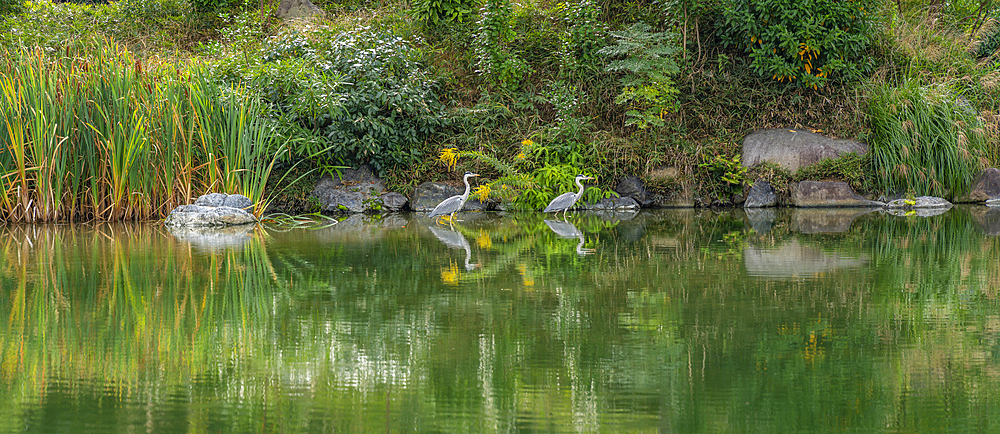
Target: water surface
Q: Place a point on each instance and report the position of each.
(665, 321)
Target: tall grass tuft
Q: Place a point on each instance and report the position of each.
(927, 140)
(104, 136)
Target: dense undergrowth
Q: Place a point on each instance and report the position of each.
(122, 110)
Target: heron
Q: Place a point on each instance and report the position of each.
(565, 201)
(453, 204)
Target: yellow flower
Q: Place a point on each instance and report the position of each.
(482, 192)
(521, 156)
(449, 156)
(527, 142)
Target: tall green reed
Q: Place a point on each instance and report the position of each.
(927, 140)
(99, 135)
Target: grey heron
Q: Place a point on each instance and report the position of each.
(565, 201)
(453, 204)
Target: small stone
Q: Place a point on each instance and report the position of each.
(761, 195)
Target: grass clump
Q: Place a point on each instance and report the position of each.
(926, 139)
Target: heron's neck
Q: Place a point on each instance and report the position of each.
(466, 194)
(579, 193)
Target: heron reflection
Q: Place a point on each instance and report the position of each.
(455, 240)
(565, 229)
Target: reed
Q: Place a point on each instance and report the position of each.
(106, 136)
(927, 140)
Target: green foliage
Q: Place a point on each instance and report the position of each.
(926, 139)
(804, 42)
(647, 60)
(435, 14)
(729, 171)
(851, 168)
(11, 7)
(497, 60)
(361, 96)
(582, 39)
(987, 41)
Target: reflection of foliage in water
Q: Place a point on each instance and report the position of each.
(335, 327)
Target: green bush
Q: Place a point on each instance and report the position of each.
(436, 14)
(362, 95)
(805, 42)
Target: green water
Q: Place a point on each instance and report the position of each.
(666, 321)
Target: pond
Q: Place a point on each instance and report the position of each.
(662, 321)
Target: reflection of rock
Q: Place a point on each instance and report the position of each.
(826, 220)
(213, 238)
(761, 195)
(793, 149)
(213, 210)
(815, 194)
(794, 260)
(987, 218)
(455, 240)
(761, 219)
(566, 229)
(923, 206)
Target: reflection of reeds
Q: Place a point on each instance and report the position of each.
(106, 137)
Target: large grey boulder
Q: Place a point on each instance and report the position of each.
(985, 187)
(213, 210)
(355, 191)
(812, 194)
(610, 204)
(429, 194)
(761, 195)
(794, 149)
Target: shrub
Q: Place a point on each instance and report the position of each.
(11, 7)
(648, 60)
(806, 42)
(362, 95)
(436, 14)
(496, 59)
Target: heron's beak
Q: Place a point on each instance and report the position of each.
(474, 174)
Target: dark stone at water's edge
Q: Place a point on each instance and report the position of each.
(761, 195)
(816, 194)
(356, 191)
(986, 187)
(429, 194)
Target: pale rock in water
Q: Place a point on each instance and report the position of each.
(214, 209)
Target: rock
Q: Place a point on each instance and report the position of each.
(984, 188)
(213, 238)
(393, 202)
(826, 220)
(354, 191)
(632, 186)
(299, 10)
(611, 204)
(429, 194)
(794, 149)
(811, 194)
(987, 219)
(207, 216)
(923, 206)
(761, 195)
